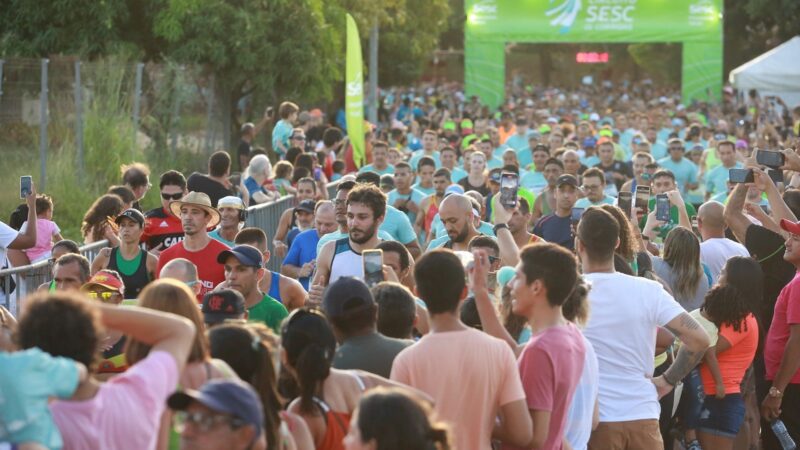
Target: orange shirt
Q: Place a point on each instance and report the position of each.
(733, 362)
(504, 135)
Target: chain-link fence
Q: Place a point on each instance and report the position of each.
(108, 110)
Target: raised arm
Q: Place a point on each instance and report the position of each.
(486, 310)
(27, 239)
(734, 217)
(509, 252)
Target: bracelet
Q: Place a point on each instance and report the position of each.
(499, 226)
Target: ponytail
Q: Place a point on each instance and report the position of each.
(313, 367)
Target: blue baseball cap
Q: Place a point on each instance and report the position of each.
(590, 142)
(246, 254)
(233, 397)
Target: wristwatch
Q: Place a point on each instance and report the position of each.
(775, 392)
(499, 226)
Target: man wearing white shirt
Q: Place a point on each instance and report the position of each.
(716, 249)
(11, 239)
(626, 312)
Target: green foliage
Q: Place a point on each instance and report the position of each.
(662, 61)
(754, 26)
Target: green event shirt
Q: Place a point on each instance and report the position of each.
(269, 312)
(674, 217)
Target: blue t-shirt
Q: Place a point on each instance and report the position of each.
(684, 170)
(494, 163)
(281, 133)
(485, 229)
(457, 174)
(423, 190)
(659, 150)
(303, 250)
(398, 226)
(415, 196)
(252, 187)
(416, 156)
(519, 143)
(533, 181)
(717, 178)
(27, 379)
(585, 202)
(389, 170)
(525, 157)
(215, 235)
(557, 230)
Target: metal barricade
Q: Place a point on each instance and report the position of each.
(18, 282)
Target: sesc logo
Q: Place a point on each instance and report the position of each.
(565, 14)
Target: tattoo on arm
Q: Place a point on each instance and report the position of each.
(686, 359)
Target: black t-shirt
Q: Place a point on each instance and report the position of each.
(483, 190)
(616, 167)
(244, 148)
(767, 247)
(557, 230)
(198, 182)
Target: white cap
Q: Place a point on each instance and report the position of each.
(230, 202)
(594, 117)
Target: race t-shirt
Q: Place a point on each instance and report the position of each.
(210, 273)
(161, 227)
(303, 250)
(268, 311)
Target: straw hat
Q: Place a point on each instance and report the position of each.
(199, 200)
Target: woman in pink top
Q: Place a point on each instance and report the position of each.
(47, 231)
(723, 408)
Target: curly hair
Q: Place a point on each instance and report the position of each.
(108, 205)
(726, 305)
(61, 324)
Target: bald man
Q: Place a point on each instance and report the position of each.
(183, 270)
(716, 249)
(457, 214)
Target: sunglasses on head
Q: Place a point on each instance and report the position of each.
(177, 196)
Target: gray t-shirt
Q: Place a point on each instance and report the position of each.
(665, 272)
(372, 353)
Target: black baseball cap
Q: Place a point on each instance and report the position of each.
(132, 214)
(387, 180)
(306, 205)
(495, 175)
(219, 306)
(567, 179)
(246, 254)
(345, 296)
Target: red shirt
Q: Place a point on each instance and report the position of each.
(161, 228)
(210, 273)
(787, 313)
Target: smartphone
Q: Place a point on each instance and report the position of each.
(776, 175)
(317, 174)
(625, 202)
(770, 159)
(642, 197)
(577, 213)
(509, 185)
(25, 187)
(741, 175)
(662, 207)
(373, 266)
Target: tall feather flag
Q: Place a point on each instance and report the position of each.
(354, 92)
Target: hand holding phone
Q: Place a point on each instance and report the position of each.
(373, 266)
(741, 175)
(509, 185)
(770, 159)
(662, 207)
(25, 186)
(642, 198)
(625, 202)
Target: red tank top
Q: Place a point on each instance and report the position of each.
(430, 214)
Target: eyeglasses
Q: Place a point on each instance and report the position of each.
(591, 186)
(204, 422)
(177, 196)
(299, 138)
(103, 296)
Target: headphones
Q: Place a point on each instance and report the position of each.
(242, 215)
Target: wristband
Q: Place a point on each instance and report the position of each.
(499, 226)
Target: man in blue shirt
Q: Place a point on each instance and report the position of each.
(403, 196)
(300, 261)
(557, 227)
(684, 170)
(717, 178)
(380, 163)
(429, 140)
(594, 185)
(519, 140)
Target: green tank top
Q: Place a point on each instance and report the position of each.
(128, 266)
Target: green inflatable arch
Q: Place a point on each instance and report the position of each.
(491, 24)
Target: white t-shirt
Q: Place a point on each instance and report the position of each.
(581, 411)
(625, 313)
(7, 236)
(715, 252)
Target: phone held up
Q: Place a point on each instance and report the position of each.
(373, 266)
(25, 186)
(509, 185)
(625, 202)
(662, 207)
(642, 198)
(741, 175)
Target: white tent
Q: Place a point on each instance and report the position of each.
(776, 72)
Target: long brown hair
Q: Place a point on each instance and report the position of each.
(682, 254)
(174, 297)
(627, 244)
(108, 205)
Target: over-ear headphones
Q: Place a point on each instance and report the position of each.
(242, 215)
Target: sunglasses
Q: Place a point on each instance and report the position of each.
(493, 259)
(103, 296)
(177, 196)
(299, 138)
(204, 422)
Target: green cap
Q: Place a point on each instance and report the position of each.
(466, 123)
(449, 125)
(544, 129)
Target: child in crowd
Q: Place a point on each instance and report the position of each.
(47, 231)
(338, 170)
(283, 178)
(27, 379)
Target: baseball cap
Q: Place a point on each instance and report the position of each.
(221, 305)
(133, 214)
(230, 396)
(594, 117)
(230, 202)
(495, 175)
(567, 179)
(306, 205)
(387, 180)
(791, 227)
(106, 279)
(504, 275)
(454, 189)
(589, 142)
(345, 296)
(466, 124)
(741, 143)
(246, 254)
(544, 129)
(449, 125)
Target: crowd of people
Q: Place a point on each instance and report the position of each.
(635, 293)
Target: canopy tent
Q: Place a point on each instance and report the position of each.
(776, 72)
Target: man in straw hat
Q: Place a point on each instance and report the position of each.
(197, 216)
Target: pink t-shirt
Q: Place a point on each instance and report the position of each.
(125, 413)
(787, 313)
(45, 230)
(551, 366)
(469, 374)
